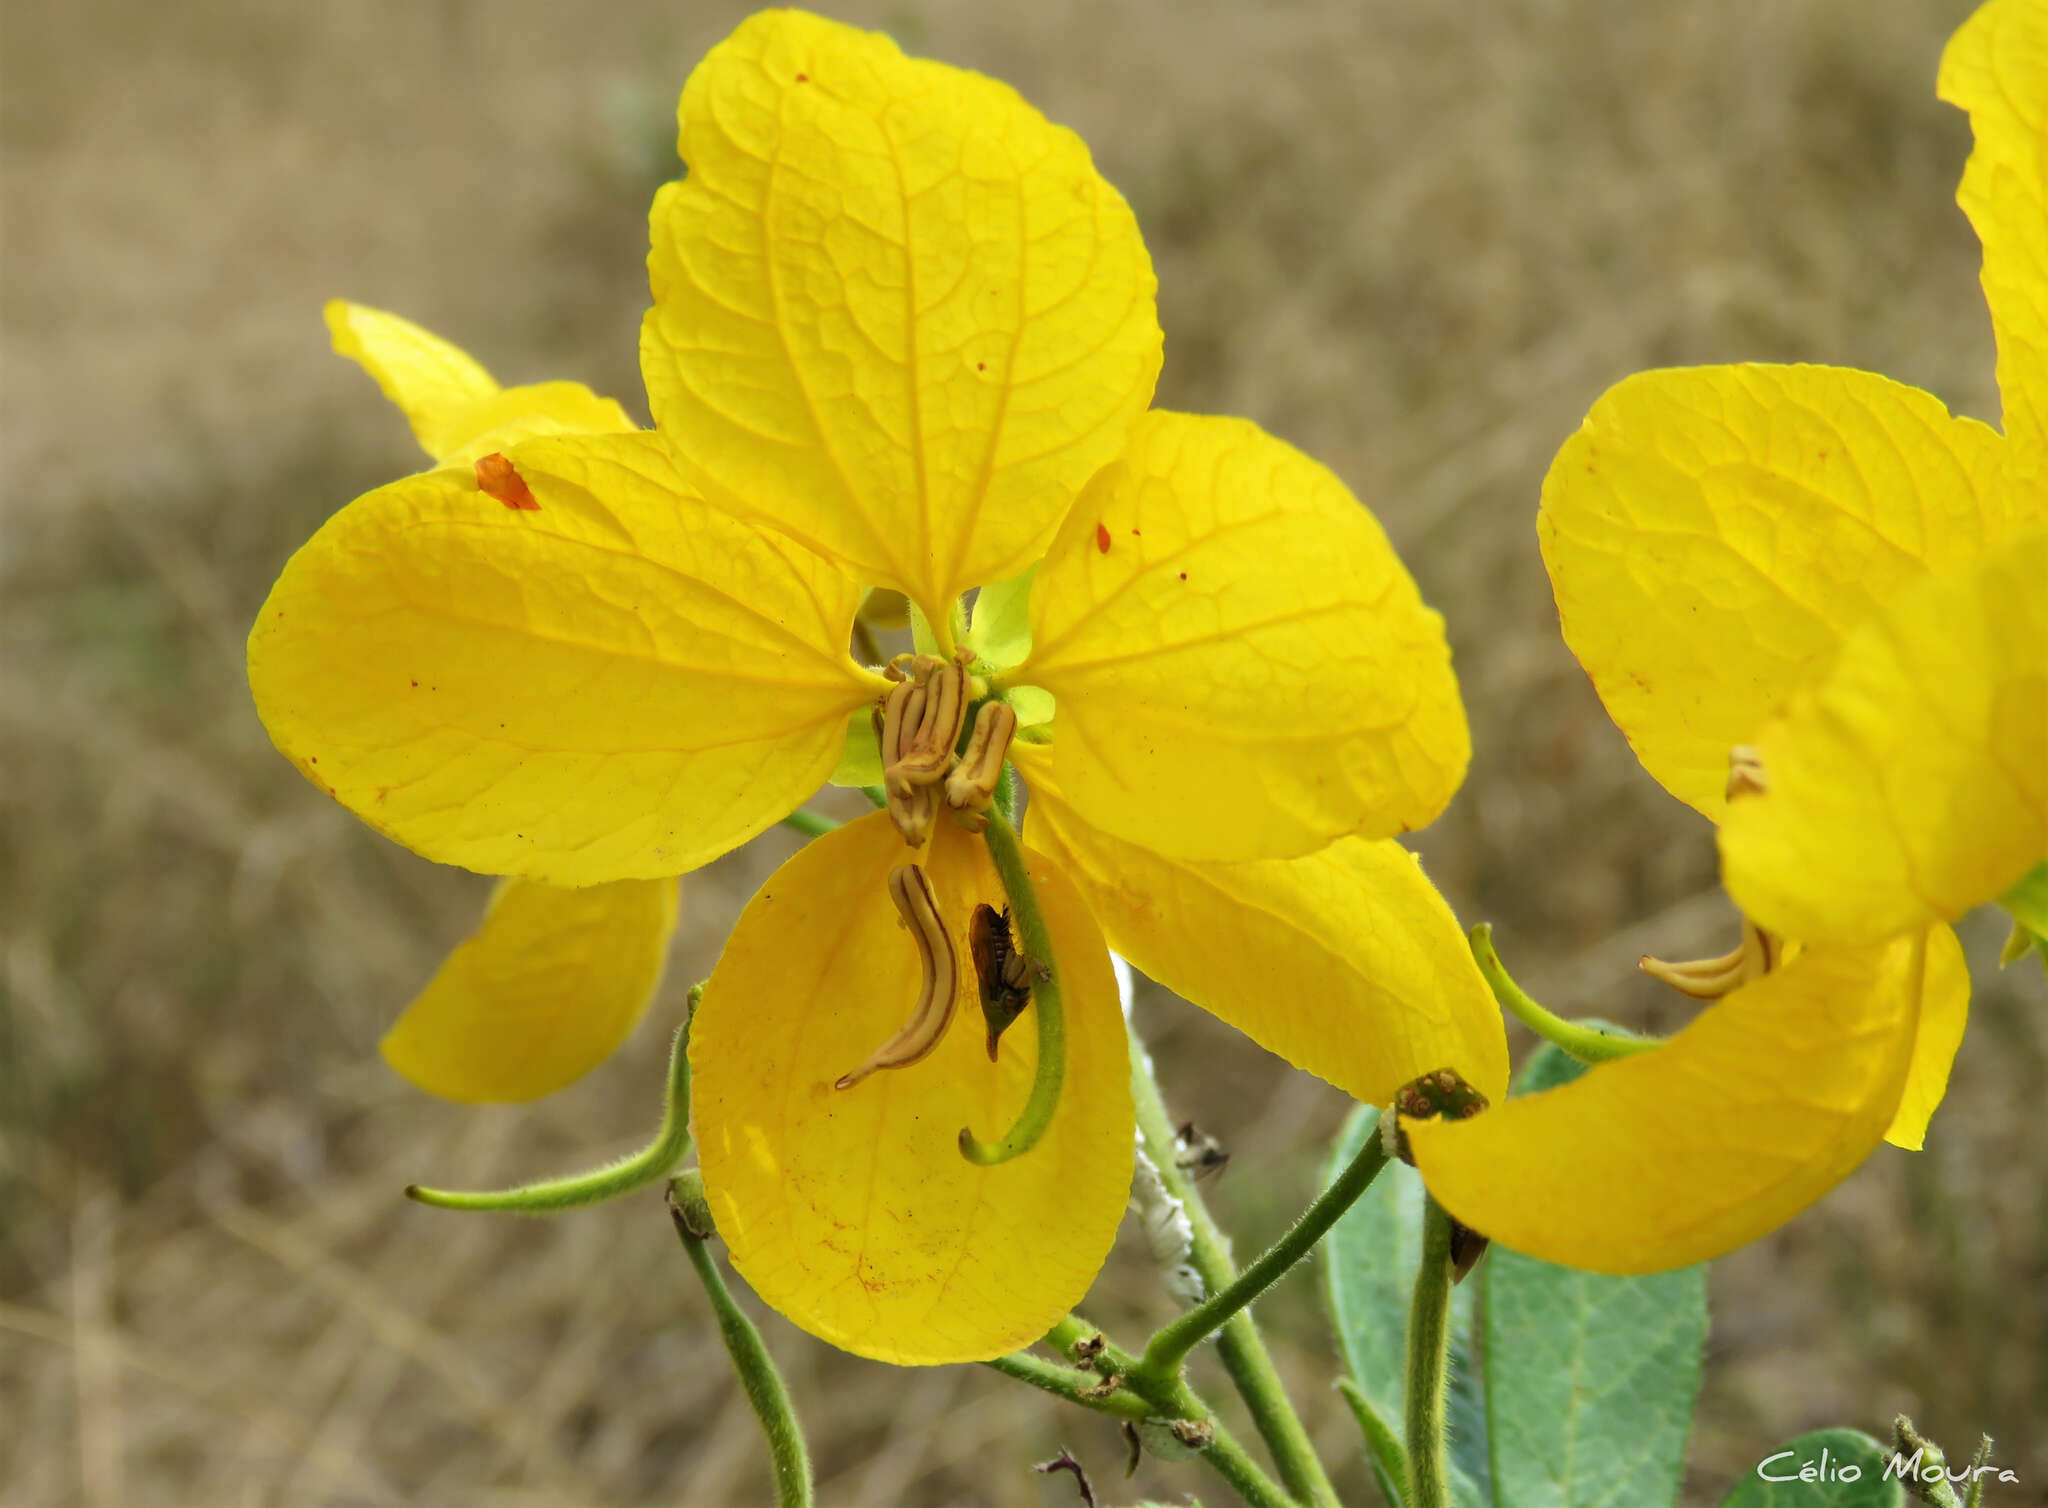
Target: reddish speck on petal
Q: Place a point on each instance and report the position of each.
(1102, 538)
(496, 476)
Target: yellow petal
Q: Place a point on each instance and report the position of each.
(1347, 963)
(1666, 1158)
(852, 1211)
(895, 311)
(623, 683)
(1944, 1012)
(1242, 665)
(456, 408)
(1912, 783)
(1712, 533)
(431, 380)
(543, 991)
(1996, 67)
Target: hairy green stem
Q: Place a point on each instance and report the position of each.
(1172, 1399)
(656, 1160)
(1429, 1349)
(1007, 850)
(1238, 1344)
(1587, 1044)
(1170, 1346)
(810, 824)
(1067, 1383)
(750, 1358)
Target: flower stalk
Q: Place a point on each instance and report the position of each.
(750, 1358)
(1238, 1343)
(1171, 1345)
(1429, 1348)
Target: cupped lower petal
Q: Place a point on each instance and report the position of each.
(1712, 533)
(1912, 782)
(1996, 67)
(852, 1211)
(544, 990)
(896, 312)
(1243, 667)
(620, 683)
(1346, 962)
(1944, 1012)
(1666, 1158)
(456, 408)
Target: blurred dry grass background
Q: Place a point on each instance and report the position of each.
(1415, 237)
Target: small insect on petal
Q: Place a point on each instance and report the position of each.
(498, 478)
(1004, 975)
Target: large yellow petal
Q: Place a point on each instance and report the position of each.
(623, 683)
(1912, 783)
(456, 408)
(1243, 667)
(1713, 532)
(1996, 67)
(1944, 1012)
(1666, 1158)
(895, 311)
(1346, 962)
(852, 1211)
(542, 992)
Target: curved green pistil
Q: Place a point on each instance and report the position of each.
(656, 1160)
(1586, 1043)
(1007, 850)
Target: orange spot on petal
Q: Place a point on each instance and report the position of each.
(1102, 538)
(496, 476)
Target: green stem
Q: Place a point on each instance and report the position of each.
(1429, 1349)
(1587, 1044)
(810, 824)
(1238, 1343)
(657, 1160)
(1167, 1349)
(1174, 1399)
(1065, 1382)
(750, 1357)
(876, 795)
(1007, 850)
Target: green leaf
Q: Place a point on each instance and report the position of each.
(1369, 1260)
(1831, 1455)
(1590, 1379)
(1383, 1449)
(1001, 632)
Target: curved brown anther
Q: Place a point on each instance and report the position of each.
(1712, 978)
(918, 724)
(972, 785)
(911, 890)
(1746, 775)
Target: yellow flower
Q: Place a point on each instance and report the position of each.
(904, 337)
(1824, 572)
(492, 1023)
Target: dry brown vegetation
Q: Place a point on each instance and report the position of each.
(1416, 237)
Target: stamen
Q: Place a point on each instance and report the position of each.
(972, 786)
(918, 724)
(912, 892)
(1713, 978)
(1746, 775)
